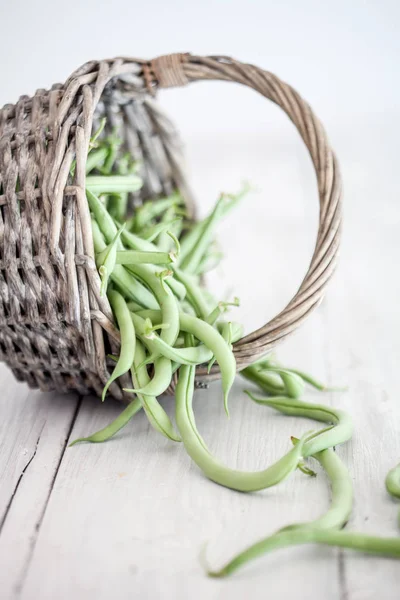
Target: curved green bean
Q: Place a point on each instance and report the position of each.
(268, 382)
(328, 537)
(340, 432)
(170, 315)
(196, 448)
(341, 488)
(315, 383)
(294, 385)
(153, 409)
(190, 355)
(220, 349)
(186, 356)
(206, 334)
(107, 432)
(128, 338)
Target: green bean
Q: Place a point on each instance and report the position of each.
(191, 262)
(114, 142)
(106, 261)
(393, 484)
(158, 347)
(176, 287)
(113, 184)
(154, 411)
(226, 334)
(93, 143)
(134, 307)
(294, 384)
(269, 363)
(185, 356)
(96, 159)
(152, 232)
(161, 379)
(170, 315)
(118, 203)
(135, 242)
(326, 438)
(164, 240)
(236, 330)
(128, 285)
(194, 293)
(167, 301)
(219, 309)
(206, 334)
(266, 381)
(195, 447)
(209, 262)
(123, 419)
(150, 210)
(103, 219)
(308, 535)
(393, 481)
(314, 382)
(193, 236)
(220, 349)
(306, 470)
(189, 356)
(128, 338)
(129, 257)
(341, 485)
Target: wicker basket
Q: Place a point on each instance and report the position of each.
(55, 328)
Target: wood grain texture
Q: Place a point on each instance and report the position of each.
(34, 429)
(129, 517)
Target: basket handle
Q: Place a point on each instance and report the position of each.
(181, 69)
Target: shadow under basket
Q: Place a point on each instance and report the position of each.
(55, 328)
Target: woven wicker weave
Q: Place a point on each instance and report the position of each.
(55, 328)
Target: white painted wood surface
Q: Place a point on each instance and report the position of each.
(127, 518)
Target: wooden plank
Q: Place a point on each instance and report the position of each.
(33, 432)
(363, 317)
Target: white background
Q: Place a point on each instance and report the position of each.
(128, 517)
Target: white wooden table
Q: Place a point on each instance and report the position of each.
(127, 518)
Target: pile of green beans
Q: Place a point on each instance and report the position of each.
(150, 267)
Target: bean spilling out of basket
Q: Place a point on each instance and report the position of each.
(151, 267)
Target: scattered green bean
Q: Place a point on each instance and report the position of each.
(108, 432)
(328, 537)
(340, 432)
(196, 448)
